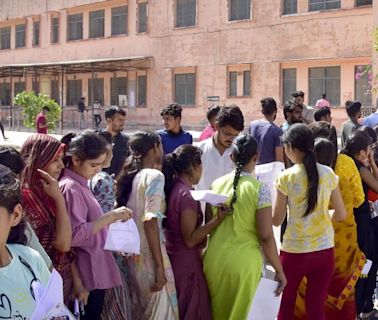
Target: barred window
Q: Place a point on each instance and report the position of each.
(96, 23)
(119, 20)
(74, 92)
(142, 17)
(117, 86)
(290, 7)
(54, 30)
(75, 26)
(20, 35)
(239, 10)
(185, 13)
(5, 38)
(185, 88)
(36, 33)
(324, 80)
(316, 5)
(98, 89)
(289, 83)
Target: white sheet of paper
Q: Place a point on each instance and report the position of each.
(268, 173)
(208, 196)
(48, 297)
(265, 304)
(367, 267)
(123, 237)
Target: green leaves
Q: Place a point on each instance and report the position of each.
(33, 104)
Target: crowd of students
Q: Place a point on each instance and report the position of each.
(196, 261)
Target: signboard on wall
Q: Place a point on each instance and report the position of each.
(213, 98)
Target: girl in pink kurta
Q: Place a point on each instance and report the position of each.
(98, 270)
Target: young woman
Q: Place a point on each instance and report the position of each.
(86, 153)
(117, 300)
(185, 236)
(141, 188)
(307, 248)
(44, 204)
(349, 259)
(20, 266)
(233, 261)
(357, 146)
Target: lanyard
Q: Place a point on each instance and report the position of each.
(34, 280)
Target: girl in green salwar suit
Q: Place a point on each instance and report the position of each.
(233, 261)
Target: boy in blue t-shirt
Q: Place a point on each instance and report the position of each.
(173, 135)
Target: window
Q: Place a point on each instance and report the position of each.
(233, 84)
(20, 35)
(54, 30)
(119, 20)
(185, 88)
(55, 90)
(142, 17)
(185, 13)
(362, 86)
(363, 2)
(239, 10)
(74, 92)
(35, 86)
(5, 94)
(141, 90)
(290, 6)
(98, 89)
(316, 5)
(117, 86)
(246, 83)
(289, 83)
(96, 24)
(19, 87)
(5, 38)
(325, 80)
(75, 26)
(36, 33)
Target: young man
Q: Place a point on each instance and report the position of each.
(211, 114)
(267, 134)
(173, 135)
(323, 102)
(353, 110)
(97, 107)
(292, 113)
(216, 151)
(308, 112)
(323, 114)
(81, 108)
(41, 121)
(115, 121)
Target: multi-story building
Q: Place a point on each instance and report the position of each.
(145, 54)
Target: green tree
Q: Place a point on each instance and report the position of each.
(32, 105)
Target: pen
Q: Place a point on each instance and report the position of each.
(76, 309)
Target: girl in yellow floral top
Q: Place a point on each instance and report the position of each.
(307, 249)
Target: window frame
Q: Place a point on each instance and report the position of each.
(357, 5)
(52, 38)
(138, 17)
(96, 27)
(101, 96)
(9, 28)
(240, 71)
(6, 88)
(231, 19)
(291, 87)
(138, 104)
(119, 15)
(295, 4)
(36, 42)
(118, 78)
(325, 3)
(69, 95)
(187, 72)
(78, 22)
(312, 99)
(176, 13)
(17, 32)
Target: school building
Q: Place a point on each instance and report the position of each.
(144, 54)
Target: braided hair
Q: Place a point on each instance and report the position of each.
(244, 148)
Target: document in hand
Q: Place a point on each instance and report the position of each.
(50, 300)
(265, 304)
(123, 237)
(268, 173)
(208, 196)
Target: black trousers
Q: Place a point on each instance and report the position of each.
(97, 119)
(2, 129)
(95, 303)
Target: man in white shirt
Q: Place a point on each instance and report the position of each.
(216, 151)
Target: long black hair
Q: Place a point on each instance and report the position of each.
(300, 137)
(358, 141)
(10, 197)
(86, 145)
(140, 143)
(324, 152)
(182, 160)
(244, 148)
(323, 129)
